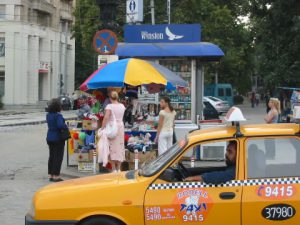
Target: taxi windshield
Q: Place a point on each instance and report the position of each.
(156, 165)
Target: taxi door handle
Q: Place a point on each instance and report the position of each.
(227, 195)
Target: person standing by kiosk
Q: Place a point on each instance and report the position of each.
(165, 129)
(55, 122)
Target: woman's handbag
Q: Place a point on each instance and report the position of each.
(111, 128)
(64, 133)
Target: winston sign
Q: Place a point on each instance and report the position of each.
(162, 33)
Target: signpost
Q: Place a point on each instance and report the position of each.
(169, 33)
(105, 59)
(134, 11)
(105, 42)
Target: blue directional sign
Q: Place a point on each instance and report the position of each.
(162, 33)
(132, 5)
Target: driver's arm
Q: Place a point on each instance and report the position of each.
(194, 178)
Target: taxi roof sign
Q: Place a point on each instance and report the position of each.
(234, 115)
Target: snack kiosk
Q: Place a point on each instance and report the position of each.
(179, 48)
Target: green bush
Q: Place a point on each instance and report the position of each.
(238, 100)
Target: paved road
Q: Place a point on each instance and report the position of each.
(23, 166)
(22, 170)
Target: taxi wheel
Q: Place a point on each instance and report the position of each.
(102, 221)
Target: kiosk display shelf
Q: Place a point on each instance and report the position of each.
(180, 97)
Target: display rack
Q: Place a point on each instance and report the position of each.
(181, 97)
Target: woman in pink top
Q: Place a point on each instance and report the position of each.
(116, 145)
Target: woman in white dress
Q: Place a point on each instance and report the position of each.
(116, 145)
(165, 129)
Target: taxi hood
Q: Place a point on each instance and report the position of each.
(94, 192)
(100, 181)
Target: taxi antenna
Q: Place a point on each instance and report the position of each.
(238, 132)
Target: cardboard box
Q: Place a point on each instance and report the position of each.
(149, 155)
(90, 125)
(83, 157)
(87, 167)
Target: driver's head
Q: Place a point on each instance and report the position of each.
(231, 153)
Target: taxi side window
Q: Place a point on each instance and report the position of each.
(199, 159)
(273, 157)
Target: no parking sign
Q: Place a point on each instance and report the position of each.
(105, 42)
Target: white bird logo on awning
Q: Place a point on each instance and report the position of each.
(172, 36)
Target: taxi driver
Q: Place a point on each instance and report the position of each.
(219, 177)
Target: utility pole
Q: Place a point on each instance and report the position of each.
(169, 11)
(66, 58)
(152, 11)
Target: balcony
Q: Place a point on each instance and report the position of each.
(66, 15)
(43, 6)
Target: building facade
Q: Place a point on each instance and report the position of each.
(37, 53)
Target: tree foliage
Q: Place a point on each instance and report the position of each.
(275, 27)
(220, 25)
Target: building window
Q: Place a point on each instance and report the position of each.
(2, 47)
(44, 19)
(2, 11)
(2, 82)
(19, 12)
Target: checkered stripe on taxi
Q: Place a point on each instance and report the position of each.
(273, 181)
(234, 183)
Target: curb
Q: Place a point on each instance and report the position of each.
(32, 123)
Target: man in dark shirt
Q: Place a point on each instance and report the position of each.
(219, 177)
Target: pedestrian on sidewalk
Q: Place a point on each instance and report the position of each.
(84, 108)
(257, 97)
(274, 113)
(56, 123)
(253, 99)
(165, 129)
(115, 111)
(267, 99)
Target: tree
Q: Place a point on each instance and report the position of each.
(220, 25)
(87, 23)
(275, 27)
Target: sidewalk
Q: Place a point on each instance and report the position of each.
(28, 117)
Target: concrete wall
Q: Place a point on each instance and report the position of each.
(27, 44)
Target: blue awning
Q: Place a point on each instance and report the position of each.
(203, 50)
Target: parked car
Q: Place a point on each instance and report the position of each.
(263, 190)
(221, 91)
(209, 112)
(220, 105)
(66, 103)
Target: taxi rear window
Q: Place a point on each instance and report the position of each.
(273, 157)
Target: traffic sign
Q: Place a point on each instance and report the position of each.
(134, 11)
(105, 42)
(132, 5)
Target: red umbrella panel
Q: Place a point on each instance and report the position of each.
(83, 86)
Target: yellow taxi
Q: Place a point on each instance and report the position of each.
(193, 182)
